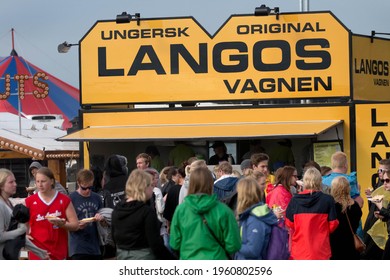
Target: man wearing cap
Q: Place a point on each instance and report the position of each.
(220, 151)
(246, 165)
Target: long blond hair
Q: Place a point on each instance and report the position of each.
(137, 183)
(248, 194)
(340, 191)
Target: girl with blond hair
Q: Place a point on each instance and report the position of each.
(255, 220)
(135, 228)
(342, 240)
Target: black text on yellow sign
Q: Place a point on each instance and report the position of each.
(176, 60)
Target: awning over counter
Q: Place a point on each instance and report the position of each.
(193, 131)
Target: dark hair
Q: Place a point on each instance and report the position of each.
(170, 172)
(312, 163)
(152, 151)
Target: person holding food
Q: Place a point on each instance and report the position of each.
(84, 243)
(382, 202)
(52, 215)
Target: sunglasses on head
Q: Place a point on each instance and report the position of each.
(85, 188)
(387, 180)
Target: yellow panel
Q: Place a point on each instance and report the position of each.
(202, 131)
(372, 141)
(303, 55)
(370, 68)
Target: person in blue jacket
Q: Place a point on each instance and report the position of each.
(255, 220)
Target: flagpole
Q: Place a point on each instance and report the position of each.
(13, 53)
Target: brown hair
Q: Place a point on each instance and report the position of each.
(201, 181)
(257, 158)
(248, 194)
(225, 167)
(145, 156)
(49, 174)
(284, 177)
(84, 176)
(340, 191)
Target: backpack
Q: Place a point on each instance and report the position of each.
(278, 248)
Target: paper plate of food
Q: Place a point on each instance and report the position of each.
(377, 198)
(88, 220)
(52, 218)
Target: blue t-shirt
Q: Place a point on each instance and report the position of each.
(352, 179)
(85, 241)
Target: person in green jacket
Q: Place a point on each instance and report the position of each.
(190, 236)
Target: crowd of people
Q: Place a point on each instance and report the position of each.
(190, 211)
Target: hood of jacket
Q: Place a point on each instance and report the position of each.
(124, 209)
(261, 212)
(201, 203)
(226, 184)
(116, 165)
(308, 198)
(34, 164)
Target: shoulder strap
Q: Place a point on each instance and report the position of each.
(346, 214)
(215, 237)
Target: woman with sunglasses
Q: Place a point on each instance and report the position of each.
(52, 215)
(384, 211)
(84, 243)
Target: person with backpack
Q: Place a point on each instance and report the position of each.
(255, 221)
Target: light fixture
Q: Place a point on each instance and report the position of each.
(126, 18)
(263, 10)
(373, 33)
(65, 46)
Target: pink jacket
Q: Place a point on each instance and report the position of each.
(279, 196)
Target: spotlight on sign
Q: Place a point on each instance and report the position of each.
(263, 10)
(123, 18)
(126, 18)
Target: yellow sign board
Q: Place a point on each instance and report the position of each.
(370, 68)
(303, 55)
(372, 141)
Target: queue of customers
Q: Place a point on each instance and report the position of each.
(193, 212)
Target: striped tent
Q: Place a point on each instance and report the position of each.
(62, 98)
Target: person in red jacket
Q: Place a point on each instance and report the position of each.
(311, 214)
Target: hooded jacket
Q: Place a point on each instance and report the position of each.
(255, 227)
(312, 218)
(225, 186)
(37, 165)
(192, 238)
(116, 177)
(135, 226)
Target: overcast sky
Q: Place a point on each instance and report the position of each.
(40, 25)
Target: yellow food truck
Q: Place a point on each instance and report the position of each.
(299, 76)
